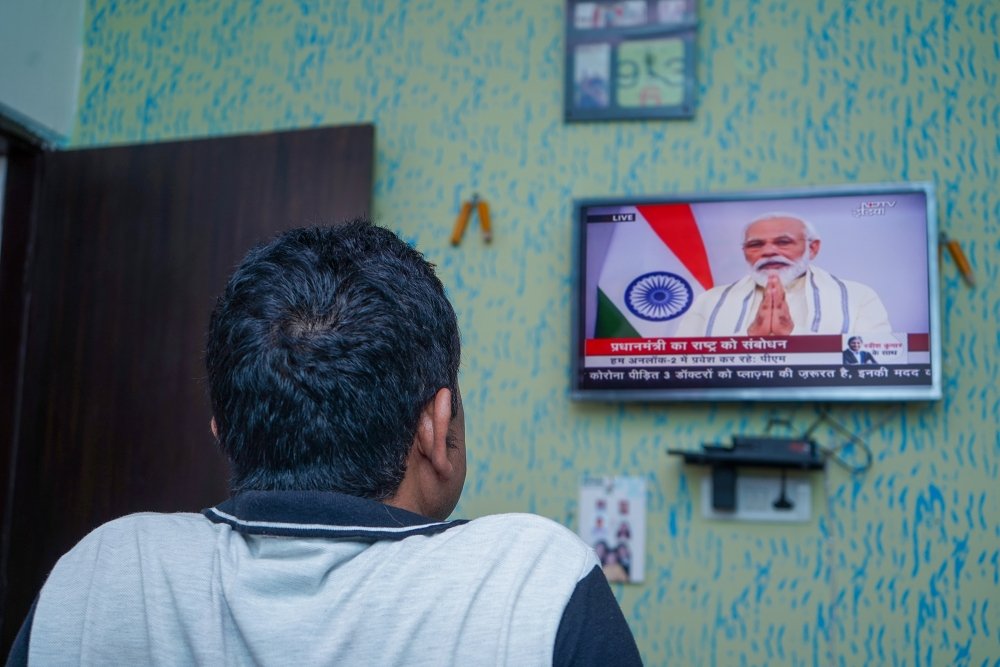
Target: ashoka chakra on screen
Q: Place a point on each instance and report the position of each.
(658, 296)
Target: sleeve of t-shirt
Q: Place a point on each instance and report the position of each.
(593, 630)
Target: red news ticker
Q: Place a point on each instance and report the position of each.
(609, 347)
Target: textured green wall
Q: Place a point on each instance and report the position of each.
(900, 566)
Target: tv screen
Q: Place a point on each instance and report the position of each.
(798, 294)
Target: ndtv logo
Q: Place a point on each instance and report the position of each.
(873, 207)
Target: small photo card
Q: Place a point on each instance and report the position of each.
(613, 522)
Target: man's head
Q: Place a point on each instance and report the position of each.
(779, 244)
(854, 342)
(332, 354)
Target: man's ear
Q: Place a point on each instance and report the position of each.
(814, 248)
(214, 427)
(432, 431)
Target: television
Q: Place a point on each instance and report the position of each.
(806, 294)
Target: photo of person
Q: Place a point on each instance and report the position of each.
(614, 568)
(591, 76)
(854, 354)
(784, 292)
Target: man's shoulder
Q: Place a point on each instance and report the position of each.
(134, 530)
(525, 521)
(526, 524)
(852, 285)
(530, 536)
(120, 550)
(155, 521)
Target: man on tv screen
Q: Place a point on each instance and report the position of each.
(784, 293)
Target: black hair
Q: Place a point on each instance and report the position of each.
(322, 350)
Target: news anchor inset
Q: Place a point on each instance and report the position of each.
(854, 355)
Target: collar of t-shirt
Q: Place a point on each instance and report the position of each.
(321, 514)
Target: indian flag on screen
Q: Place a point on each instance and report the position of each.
(655, 267)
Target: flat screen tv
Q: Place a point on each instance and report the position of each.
(818, 294)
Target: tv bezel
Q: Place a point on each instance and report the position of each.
(872, 394)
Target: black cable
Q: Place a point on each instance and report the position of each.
(833, 453)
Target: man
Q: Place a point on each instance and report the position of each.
(784, 293)
(333, 359)
(855, 355)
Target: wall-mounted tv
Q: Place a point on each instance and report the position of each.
(818, 294)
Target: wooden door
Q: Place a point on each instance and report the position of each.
(131, 247)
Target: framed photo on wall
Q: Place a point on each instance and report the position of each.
(613, 522)
(630, 59)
